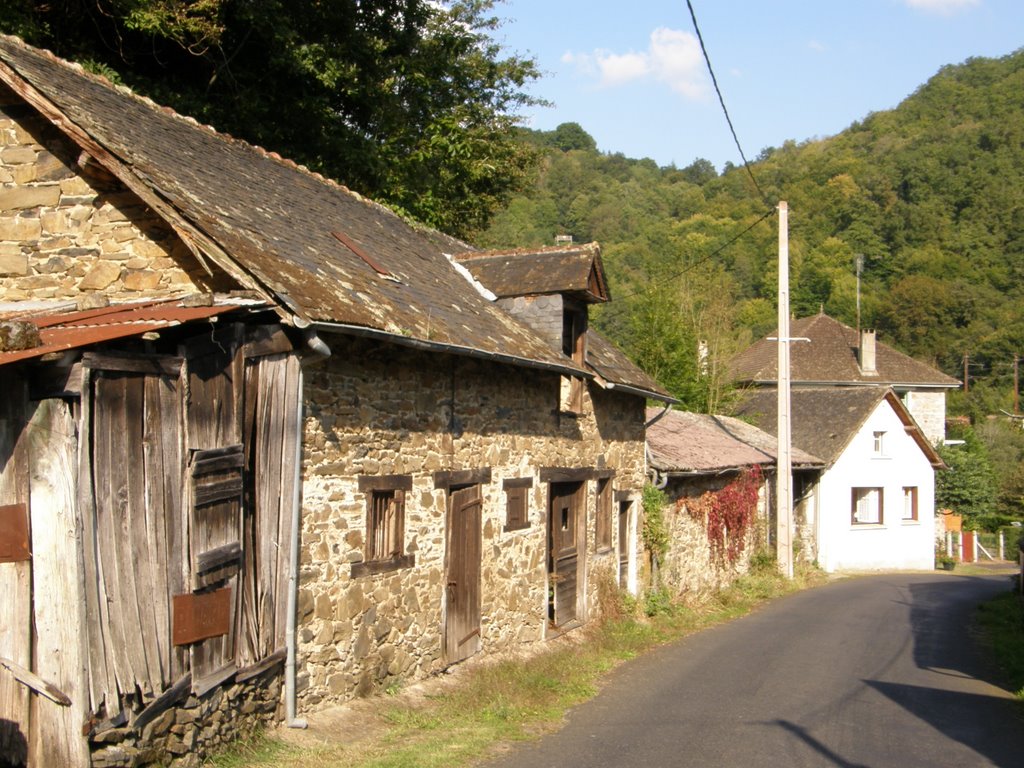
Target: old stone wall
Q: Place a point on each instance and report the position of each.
(691, 568)
(184, 735)
(375, 410)
(929, 411)
(70, 230)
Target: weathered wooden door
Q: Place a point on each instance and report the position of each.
(564, 551)
(133, 551)
(462, 574)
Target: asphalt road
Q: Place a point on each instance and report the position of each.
(869, 672)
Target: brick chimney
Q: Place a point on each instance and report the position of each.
(867, 352)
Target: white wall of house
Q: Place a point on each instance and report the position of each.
(881, 460)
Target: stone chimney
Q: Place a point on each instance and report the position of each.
(867, 352)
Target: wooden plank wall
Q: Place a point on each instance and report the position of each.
(213, 420)
(188, 486)
(59, 648)
(135, 560)
(277, 430)
(15, 577)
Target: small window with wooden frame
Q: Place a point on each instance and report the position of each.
(385, 524)
(603, 516)
(866, 506)
(517, 502)
(574, 345)
(910, 504)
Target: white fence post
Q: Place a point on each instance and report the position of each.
(1002, 545)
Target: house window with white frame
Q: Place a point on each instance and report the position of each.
(866, 506)
(909, 503)
(878, 446)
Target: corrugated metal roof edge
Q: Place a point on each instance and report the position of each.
(454, 349)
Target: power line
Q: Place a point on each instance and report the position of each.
(725, 111)
(698, 262)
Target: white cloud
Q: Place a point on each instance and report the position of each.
(672, 57)
(944, 7)
(815, 46)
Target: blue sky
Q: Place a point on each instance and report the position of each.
(631, 72)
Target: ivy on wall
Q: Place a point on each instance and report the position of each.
(728, 514)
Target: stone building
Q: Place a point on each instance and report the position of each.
(301, 456)
(692, 457)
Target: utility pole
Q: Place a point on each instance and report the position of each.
(967, 383)
(784, 464)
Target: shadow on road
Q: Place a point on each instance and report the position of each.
(966, 717)
(801, 733)
(940, 609)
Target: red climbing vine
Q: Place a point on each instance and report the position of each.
(728, 514)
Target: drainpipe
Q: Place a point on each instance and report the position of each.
(319, 352)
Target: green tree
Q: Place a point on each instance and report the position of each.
(407, 101)
(968, 487)
(569, 136)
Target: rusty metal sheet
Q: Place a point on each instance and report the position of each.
(197, 617)
(73, 330)
(14, 541)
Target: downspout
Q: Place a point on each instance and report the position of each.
(319, 352)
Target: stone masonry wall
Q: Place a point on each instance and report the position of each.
(929, 410)
(184, 735)
(70, 230)
(690, 568)
(375, 409)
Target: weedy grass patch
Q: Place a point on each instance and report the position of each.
(519, 699)
(1002, 621)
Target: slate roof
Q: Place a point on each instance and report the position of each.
(831, 357)
(698, 443)
(307, 244)
(825, 419)
(572, 269)
(614, 368)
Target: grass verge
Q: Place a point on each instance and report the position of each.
(516, 700)
(1002, 621)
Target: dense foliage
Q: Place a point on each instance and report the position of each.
(407, 101)
(931, 194)
(968, 487)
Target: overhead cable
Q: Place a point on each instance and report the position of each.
(725, 111)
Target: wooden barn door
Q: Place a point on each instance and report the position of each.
(462, 574)
(564, 531)
(206, 613)
(132, 546)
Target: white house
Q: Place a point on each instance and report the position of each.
(874, 504)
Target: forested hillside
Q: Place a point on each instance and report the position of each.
(931, 194)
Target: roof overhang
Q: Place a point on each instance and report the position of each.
(63, 331)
